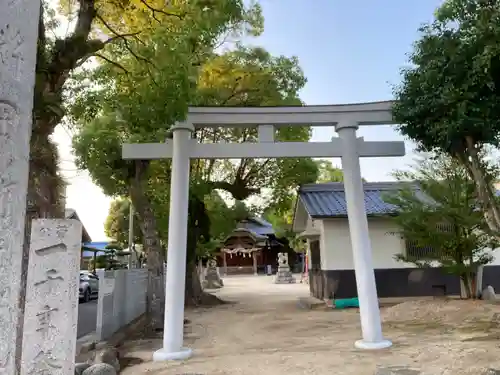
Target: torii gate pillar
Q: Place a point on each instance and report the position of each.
(360, 241)
(173, 331)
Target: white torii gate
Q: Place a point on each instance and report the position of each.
(345, 118)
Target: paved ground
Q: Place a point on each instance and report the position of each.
(87, 317)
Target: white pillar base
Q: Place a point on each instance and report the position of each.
(383, 344)
(162, 355)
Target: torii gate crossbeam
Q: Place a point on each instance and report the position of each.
(262, 149)
(345, 118)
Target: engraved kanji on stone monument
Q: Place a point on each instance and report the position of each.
(51, 277)
(45, 320)
(46, 363)
(11, 42)
(18, 48)
(50, 322)
(8, 117)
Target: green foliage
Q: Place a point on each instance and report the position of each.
(449, 98)
(451, 91)
(121, 33)
(238, 77)
(106, 261)
(253, 77)
(222, 218)
(101, 261)
(117, 223)
(115, 246)
(145, 85)
(328, 173)
(438, 211)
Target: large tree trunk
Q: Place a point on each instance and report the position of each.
(198, 231)
(154, 252)
(485, 193)
(194, 293)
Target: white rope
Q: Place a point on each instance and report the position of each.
(240, 250)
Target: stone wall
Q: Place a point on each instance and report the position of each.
(122, 298)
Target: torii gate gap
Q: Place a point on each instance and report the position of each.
(345, 118)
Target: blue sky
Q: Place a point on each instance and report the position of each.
(351, 51)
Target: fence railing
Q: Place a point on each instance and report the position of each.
(122, 298)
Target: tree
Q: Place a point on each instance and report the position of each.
(223, 220)
(437, 211)
(449, 98)
(116, 225)
(147, 102)
(97, 27)
(328, 173)
(127, 98)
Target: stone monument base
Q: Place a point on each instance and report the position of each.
(284, 276)
(212, 278)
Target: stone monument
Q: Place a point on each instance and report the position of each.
(18, 46)
(51, 312)
(212, 276)
(284, 275)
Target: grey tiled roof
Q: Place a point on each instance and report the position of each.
(328, 200)
(258, 226)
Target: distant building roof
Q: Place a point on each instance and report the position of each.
(328, 200)
(258, 226)
(99, 246)
(70, 213)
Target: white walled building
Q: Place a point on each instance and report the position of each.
(321, 217)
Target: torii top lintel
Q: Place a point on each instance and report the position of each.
(266, 119)
(374, 113)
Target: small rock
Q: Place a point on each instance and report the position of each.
(396, 370)
(491, 371)
(100, 369)
(80, 368)
(488, 294)
(109, 356)
(304, 303)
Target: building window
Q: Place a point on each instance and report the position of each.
(424, 252)
(418, 252)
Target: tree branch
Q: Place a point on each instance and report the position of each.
(125, 43)
(156, 10)
(86, 14)
(123, 36)
(237, 189)
(67, 52)
(112, 63)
